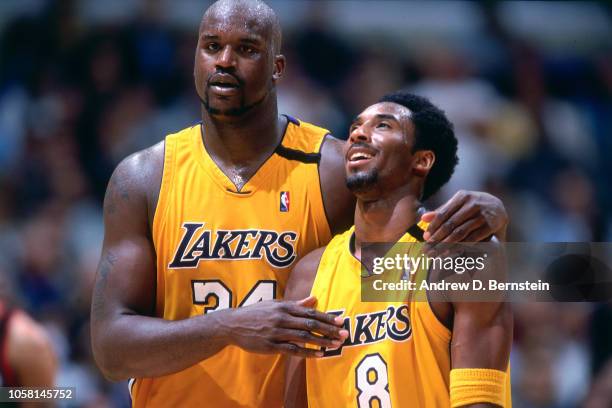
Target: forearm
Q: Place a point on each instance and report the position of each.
(480, 350)
(295, 383)
(140, 346)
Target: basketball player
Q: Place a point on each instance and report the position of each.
(202, 231)
(27, 358)
(400, 151)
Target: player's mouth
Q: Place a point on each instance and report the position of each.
(360, 154)
(224, 84)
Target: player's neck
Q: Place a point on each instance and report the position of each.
(244, 140)
(385, 219)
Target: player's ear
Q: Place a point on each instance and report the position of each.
(279, 67)
(422, 162)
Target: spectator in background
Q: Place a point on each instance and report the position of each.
(27, 358)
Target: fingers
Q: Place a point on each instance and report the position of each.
(295, 350)
(309, 301)
(443, 213)
(328, 330)
(428, 216)
(301, 311)
(454, 222)
(479, 234)
(463, 229)
(302, 336)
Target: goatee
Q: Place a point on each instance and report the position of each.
(236, 112)
(362, 180)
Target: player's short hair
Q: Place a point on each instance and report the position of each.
(433, 131)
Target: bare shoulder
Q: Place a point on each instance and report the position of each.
(338, 201)
(303, 275)
(332, 146)
(332, 154)
(141, 169)
(137, 180)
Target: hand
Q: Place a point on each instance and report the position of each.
(469, 216)
(276, 327)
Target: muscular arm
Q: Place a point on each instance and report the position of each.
(481, 331)
(127, 339)
(482, 335)
(298, 287)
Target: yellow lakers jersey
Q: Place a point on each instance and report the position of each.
(217, 248)
(397, 353)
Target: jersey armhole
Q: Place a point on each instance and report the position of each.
(318, 203)
(317, 275)
(165, 188)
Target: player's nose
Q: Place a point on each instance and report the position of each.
(359, 134)
(226, 58)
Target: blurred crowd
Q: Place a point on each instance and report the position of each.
(528, 86)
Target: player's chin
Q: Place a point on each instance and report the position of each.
(360, 181)
(224, 109)
(224, 102)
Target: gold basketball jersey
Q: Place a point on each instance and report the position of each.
(218, 248)
(397, 353)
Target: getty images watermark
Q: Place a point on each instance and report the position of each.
(517, 272)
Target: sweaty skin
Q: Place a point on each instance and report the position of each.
(236, 67)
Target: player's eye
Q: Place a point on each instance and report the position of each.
(383, 125)
(245, 49)
(353, 128)
(212, 47)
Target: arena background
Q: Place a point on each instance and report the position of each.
(528, 85)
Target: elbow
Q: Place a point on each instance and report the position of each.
(113, 372)
(112, 375)
(107, 358)
(110, 368)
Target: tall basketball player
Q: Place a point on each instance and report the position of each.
(202, 231)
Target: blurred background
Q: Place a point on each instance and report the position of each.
(85, 83)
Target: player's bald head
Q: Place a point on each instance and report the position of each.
(246, 14)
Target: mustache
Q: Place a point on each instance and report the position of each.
(221, 71)
(362, 144)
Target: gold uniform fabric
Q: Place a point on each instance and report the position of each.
(219, 248)
(397, 354)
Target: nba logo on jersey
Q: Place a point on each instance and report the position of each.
(284, 201)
